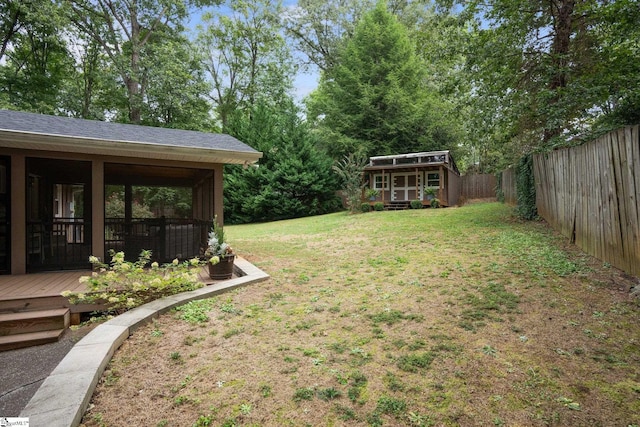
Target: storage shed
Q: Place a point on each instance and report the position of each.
(401, 178)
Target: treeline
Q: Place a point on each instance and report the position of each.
(490, 81)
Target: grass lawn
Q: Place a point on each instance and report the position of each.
(444, 317)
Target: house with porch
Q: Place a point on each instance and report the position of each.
(53, 176)
(399, 179)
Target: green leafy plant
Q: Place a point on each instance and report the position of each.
(526, 189)
(204, 421)
(195, 311)
(415, 204)
(123, 285)
(415, 362)
(378, 206)
(217, 246)
(430, 191)
(435, 203)
(391, 406)
(304, 393)
(329, 393)
(372, 193)
(365, 207)
(349, 170)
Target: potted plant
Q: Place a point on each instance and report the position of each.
(219, 253)
(372, 193)
(430, 192)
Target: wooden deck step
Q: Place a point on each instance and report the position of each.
(397, 205)
(34, 321)
(17, 304)
(12, 342)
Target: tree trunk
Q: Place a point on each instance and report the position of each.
(562, 12)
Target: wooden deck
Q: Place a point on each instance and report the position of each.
(52, 284)
(41, 284)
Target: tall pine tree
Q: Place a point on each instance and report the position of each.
(376, 100)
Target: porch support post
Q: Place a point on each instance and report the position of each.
(128, 204)
(18, 214)
(418, 184)
(384, 188)
(441, 190)
(97, 209)
(218, 187)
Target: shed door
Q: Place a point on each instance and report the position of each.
(406, 187)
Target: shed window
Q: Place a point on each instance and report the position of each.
(433, 179)
(378, 183)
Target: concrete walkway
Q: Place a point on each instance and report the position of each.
(63, 397)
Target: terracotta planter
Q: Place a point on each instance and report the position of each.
(222, 270)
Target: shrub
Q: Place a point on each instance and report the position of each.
(416, 204)
(365, 207)
(123, 285)
(378, 206)
(435, 203)
(526, 189)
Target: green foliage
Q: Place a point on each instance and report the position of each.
(204, 421)
(391, 406)
(36, 60)
(499, 191)
(350, 172)
(114, 206)
(416, 204)
(133, 38)
(330, 393)
(195, 311)
(533, 92)
(435, 203)
(391, 317)
(526, 189)
(305, 393)
(294, 178)
(415, 362)
(378, 206)
(365, 207)
(246, 57)
(123, 285)
(373, 99)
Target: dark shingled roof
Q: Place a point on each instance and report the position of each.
(19, 121)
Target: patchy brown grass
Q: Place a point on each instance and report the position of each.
(458, 316)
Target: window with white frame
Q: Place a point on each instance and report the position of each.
(378, 182)
(433, 179)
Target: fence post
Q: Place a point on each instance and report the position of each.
(163, 237)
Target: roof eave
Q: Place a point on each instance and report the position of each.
(94, 146)
(406, 166)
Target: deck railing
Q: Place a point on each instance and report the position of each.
(58, 245)
(166, 238)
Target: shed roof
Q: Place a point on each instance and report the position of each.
(424, 159)
(53, 133)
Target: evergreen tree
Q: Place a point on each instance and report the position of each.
(294, 178)
(375, 100)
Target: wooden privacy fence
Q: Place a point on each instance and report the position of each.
(591, 194)
(478, 186)
(508, 185)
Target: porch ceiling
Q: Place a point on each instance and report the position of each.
(116, 173)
